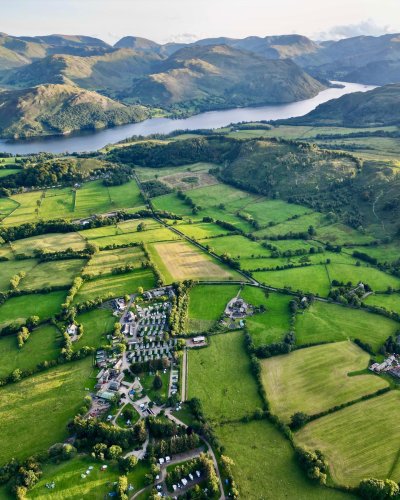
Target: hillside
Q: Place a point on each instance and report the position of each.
(364, 59)
(20, 51)
(378, 107)
(218, 76)
(60, 109)
(108, 72)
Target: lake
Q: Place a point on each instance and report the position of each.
(91, 141)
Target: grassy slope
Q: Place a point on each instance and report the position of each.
(265, 467)
(330, 322)
(17, 309)
(316, 379)
(43, 345)
(45, 403)
(207, 304)
(368, 424)
(220, 376)
(271, 325)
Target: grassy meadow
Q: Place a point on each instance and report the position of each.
(220, 377)
(368, 425)
(315, 379)
(324, 322)
(45, 402)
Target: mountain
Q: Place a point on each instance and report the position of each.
(108, 72)
(60, 109)
(365, 59)
(139, 44)
(270, 47)
(219, 76)
(19, 51)
(378, 107)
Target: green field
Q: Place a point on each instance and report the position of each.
(43, 344)
(97, 485)
(332, 323)
(237, 247)
(104, 262)
(207, 304)
(311, 279)
(390, 302)
(315, 379)
(53, 273)
(18, 309)
(220, 377)
(296, 225)
(274, 323)
(377, 280)
(360, 441)
(116, 286)
(265, 466)
(96, 324)
(10, 268)
(202, 230)
(45, 402)
(50, 242)
(276, 211)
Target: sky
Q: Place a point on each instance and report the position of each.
(187, 20)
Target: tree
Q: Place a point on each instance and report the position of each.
(32, 322)
(127, 464)
(99, 451)
(114, 452)
(140, 290)
(298, 420)
(16, 375)
(141, 227)
(378, 489)
(122, 488)
(157, 382)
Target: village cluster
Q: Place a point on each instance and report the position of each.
(390, 365)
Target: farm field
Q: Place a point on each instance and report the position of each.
(274, 323)
(376, 279)
(69, 484)
(202, 230)
(10, 268)
(237, 246)
(212, 196)
(171, 203)
(383, 253)
(146, 174)
(115, 286)
(265, 466)
(7, 205)
(311, 279)
(96, 324)
(52, 273)
(315, 379)
(5, 172)
(18, 309)
(333, 323)
(25, 212)
(275, 211)
(390, 302)
(181, 260)
(43, 345)
(104, 262)
(368, 424)
(45, 403)
(220, 377)
(55, 242)
(339, 234)
(125, 238)
(207, 304)
(295, 225)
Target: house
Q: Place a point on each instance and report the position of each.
(184, 481)
(199, 340)
(72, 330)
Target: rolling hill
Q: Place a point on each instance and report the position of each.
(109, 72)
(60, 109)
(363, 59)
(378, 107)
(218, 76)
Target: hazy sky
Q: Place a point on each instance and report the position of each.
(186, 20)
